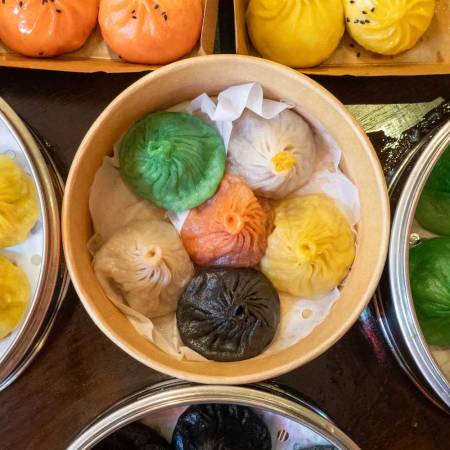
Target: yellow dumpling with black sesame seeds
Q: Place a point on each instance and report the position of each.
(388, 27)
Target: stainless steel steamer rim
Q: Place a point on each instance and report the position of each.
(399, 274)
(42, 309)
(175, 393)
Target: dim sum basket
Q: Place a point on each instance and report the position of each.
(51, 280)
(394, 305)
(294, 422)
(185, 80)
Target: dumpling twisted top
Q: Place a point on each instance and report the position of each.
(230, 229)
(19, 206)
(15, 293)
(173, 159)
(311, 248)
(145, 266)
(388, 26)
(274, 157)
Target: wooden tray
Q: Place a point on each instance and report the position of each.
(430, 56)
(95, 56)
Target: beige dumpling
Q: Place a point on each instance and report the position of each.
(388, 27)
(113, 205)
(145, 266)
(311, 248)
(19, 205)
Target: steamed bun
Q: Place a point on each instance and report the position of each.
(156, 32)
(388, 27)
(311, 248)
(230, 229)
(42, 28)
(15, 294)
(19, 205)
(297, 33)
(273, 156)
(145, 266)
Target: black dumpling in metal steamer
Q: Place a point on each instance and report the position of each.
(214, 426)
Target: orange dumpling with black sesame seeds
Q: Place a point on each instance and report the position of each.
(230, 229)
(151, 31)
(46, 28)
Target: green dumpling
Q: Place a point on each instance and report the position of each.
(172, 159)
(429, 273)
(433, 210)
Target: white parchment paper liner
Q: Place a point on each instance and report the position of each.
(299, 317)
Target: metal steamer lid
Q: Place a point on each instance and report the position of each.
(28, 338)
(174, 393)
(399, 273)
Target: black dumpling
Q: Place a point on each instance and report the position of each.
(228, 314)
(135, 436)
(224, 427)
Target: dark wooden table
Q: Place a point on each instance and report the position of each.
(80, 372)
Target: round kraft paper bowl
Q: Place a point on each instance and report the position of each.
(183, 81)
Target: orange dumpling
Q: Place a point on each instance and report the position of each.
(230, 229)
(151, 31)
(45, 28)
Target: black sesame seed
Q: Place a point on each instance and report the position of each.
(58, 11)
(367, 21)
(352, 1)
(20, 4)
(352, 44)
(364, 12)
(347, 19)
(156, 6)
(372, 10)
(358, 55)
(134, 17)
(356, 21)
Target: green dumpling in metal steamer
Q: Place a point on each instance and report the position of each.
(173, 159)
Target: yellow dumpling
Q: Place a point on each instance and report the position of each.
(311, 248)
(19, 206)
(388, 27)
(15, 294)
(298, 33)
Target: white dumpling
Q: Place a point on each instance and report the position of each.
(145, 266)
(112, 204)
(274, 156)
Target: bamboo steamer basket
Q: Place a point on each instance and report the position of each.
(184, 80)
